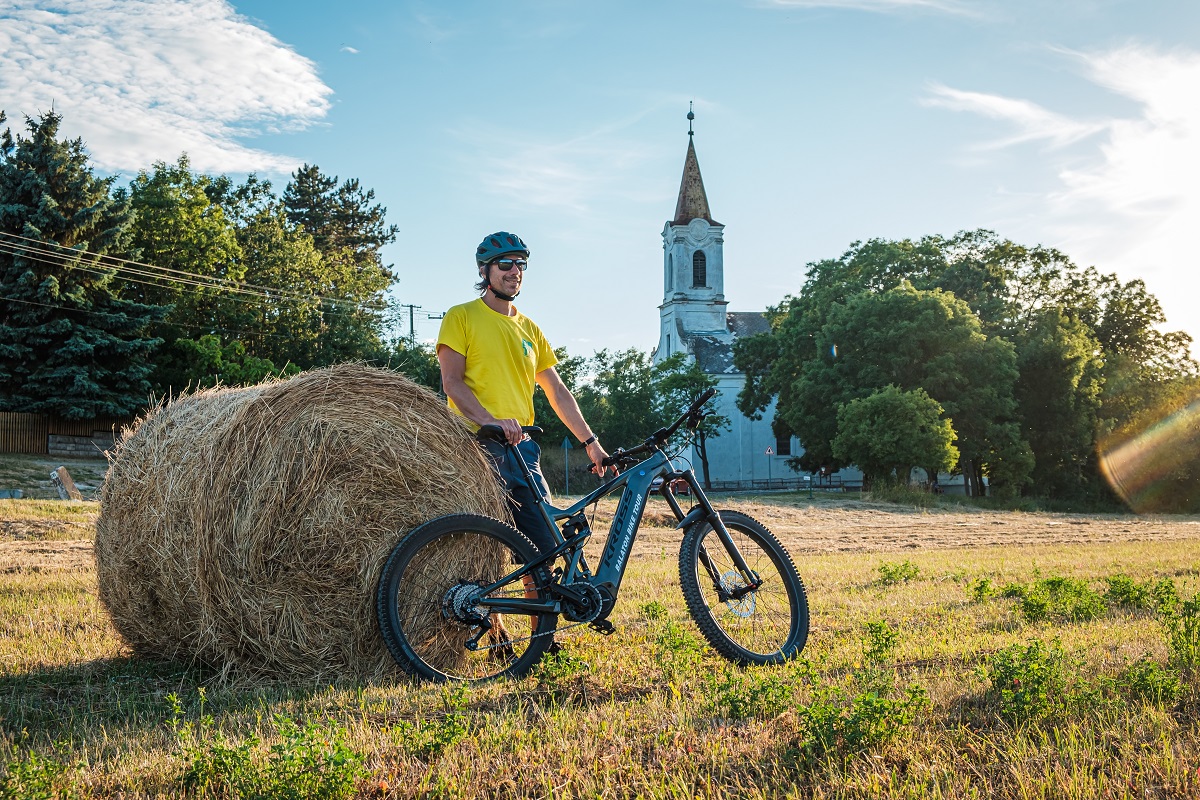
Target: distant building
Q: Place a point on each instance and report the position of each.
(694, 319)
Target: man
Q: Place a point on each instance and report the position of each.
(490, 356)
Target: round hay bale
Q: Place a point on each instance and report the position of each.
(247, 528)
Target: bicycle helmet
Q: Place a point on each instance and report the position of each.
(498, 244)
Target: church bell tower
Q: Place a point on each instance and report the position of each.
(693, 265)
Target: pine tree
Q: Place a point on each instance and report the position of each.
(68, 345)
(348, 229)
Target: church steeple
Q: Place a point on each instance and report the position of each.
(693, 267)
(693, 202)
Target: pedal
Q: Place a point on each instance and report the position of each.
(604, 626)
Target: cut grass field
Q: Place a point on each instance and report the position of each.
(953, 653)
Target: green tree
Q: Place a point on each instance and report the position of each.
(571, 369)
(284, 324)
(192, 246)
(349, 230)
(905, 337)
(1058, 396)
(417, 362)
(204, 362)
(890, 431)
(68, 344)
(622, 405)
(678, 381)
(193, 265)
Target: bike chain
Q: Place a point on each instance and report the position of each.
(531, 637)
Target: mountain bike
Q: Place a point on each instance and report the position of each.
(468, 597)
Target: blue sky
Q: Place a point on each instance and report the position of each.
(1074, 124)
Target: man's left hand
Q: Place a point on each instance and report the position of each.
(597, 454)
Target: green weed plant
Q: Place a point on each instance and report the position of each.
(1057, 599)
(1183, 636)
(1029, 682)
(309, 762)
(429, 738)
(35, 777)
(1147, 681)
(891, 574)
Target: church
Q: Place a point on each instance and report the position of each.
(694, 319)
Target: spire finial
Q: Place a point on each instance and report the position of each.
(691, 117)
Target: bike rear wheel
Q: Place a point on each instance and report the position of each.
(424, 601)
(764, 626)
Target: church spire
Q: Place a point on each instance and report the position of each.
(693, 202)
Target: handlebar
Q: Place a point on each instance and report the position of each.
(496, 433)
(657, 439)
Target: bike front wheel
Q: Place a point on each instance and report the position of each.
(766, 625)
(428, 601)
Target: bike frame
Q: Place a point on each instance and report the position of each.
(636, 485)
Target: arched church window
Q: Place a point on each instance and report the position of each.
(699, 269)
(670, 271)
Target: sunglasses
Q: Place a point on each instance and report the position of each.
(506, 264)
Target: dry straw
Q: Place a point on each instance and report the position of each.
(247, 528)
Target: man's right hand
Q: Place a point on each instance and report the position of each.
(512, 429)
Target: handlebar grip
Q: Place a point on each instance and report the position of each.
(496, 433)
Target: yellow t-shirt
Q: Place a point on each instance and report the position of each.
(504, 354)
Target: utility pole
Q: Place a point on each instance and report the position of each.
(412, 326)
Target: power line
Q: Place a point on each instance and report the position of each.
(165, 273)
(213, 329)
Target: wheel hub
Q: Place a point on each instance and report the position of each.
(459, 603)
(742, 606)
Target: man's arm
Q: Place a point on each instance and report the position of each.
(567, 409)
(454, 369)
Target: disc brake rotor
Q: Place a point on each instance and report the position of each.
(731, 581)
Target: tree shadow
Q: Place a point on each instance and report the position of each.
(88, 701)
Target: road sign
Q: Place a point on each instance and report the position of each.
(770, 450)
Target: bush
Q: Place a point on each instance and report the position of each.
(981, 590)
(891, 574)
(34, 777)
(1028, 683)
(837, 721)
(428, 739)
(1146, 681)
(1125, 591)
(880, 644)
(1183, 636)
(1166, 597)
(1057, 599)
(740, 694)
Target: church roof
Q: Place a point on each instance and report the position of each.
(714, 353)
(693, 202)
(747, 323)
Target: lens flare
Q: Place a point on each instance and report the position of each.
(1156, 466)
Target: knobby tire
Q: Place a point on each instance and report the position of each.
(766, 626)
(427, 564)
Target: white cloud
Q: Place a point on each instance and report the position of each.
(1032, 121)
(348, 49)
(945, 6)
(1128, 201)
(144, 80)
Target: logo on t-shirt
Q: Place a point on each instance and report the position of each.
(527, 346)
